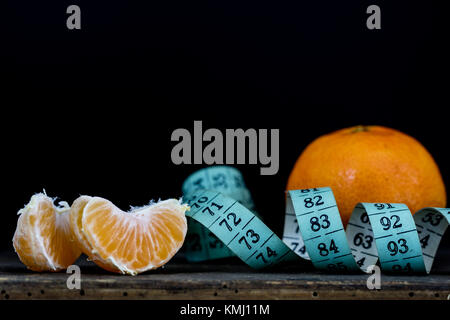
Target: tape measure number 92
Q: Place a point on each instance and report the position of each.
(223, 223)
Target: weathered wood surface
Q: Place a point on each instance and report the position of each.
(228, 279)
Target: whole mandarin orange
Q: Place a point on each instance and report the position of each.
(370, 164)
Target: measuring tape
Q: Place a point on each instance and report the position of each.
(223, 223)
(202, 244)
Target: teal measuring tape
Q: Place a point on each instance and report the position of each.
(201, 243)
(223, 224)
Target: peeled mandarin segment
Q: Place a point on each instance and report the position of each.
(43, 239)
(80, 239)
(133, 242)
(75, 224)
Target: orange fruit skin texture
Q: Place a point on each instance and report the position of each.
(42, 237)
(370, 164)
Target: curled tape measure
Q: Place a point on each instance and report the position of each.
(202, 244)
(223, 223)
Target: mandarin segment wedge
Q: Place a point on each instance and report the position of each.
(75, 224)
(79, 237)
(128, 242)
(43, 235)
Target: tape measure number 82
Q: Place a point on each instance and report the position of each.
(223, 223)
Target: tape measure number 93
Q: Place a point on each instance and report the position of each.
(223, 223)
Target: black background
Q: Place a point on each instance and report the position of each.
(91, 111)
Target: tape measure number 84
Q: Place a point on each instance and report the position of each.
(223, 223)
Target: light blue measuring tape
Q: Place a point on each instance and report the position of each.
(223, 224)
(201, 243)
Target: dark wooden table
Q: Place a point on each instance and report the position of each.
(226, 279)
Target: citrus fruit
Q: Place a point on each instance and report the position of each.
(370, 164)
(43, 236)
(75, 224)
(131, 242)
(79, 237)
